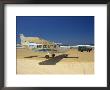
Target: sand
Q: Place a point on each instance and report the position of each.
(29, 62)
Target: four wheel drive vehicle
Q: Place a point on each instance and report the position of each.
(84, 48)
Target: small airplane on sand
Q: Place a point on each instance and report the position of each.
(37, 44)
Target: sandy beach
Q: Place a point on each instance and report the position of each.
(29, 62)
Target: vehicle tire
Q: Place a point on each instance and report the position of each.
(47, 56)
(53, 55)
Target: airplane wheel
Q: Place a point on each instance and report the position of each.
(53, 55)
(66, 55)
(47, 56)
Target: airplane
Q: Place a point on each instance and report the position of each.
(37, 44)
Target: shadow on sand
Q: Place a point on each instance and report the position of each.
(30, 56)
(53, 61)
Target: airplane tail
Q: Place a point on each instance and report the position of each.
(22, 38)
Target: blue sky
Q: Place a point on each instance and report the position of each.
(72, 30)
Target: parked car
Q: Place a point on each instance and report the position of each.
(84, 48)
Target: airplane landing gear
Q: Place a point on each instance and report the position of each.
(53, 55)
(66, 55)
(47, 56)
